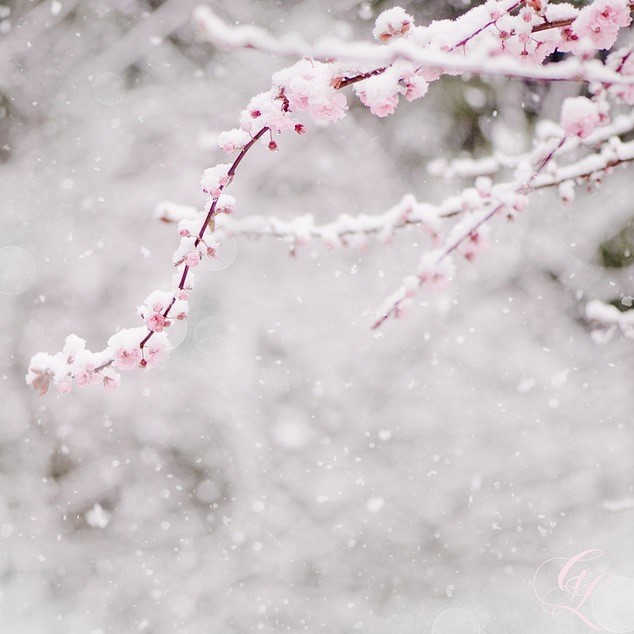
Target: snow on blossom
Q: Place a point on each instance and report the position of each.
(73, 363)
(153, 308)
(331, 108)
(232, 140)
(226, 204)
(192, 249)
(189, 227)
(83, 377)
(380, 93)
(63, 386)
(267, 110)
(42, 370)
(600, 21)
(559, 12)
(155, 350)
(435, 274)
(623, 62)
(124, 347)
(111, 383)
(72, 345)
(415, 87)
(579, 116)
(215, 178)
(566, 191)
(392, 23)
(157, 300)
(475, 243)
(307, 87)
(518, 39)
(156, 322)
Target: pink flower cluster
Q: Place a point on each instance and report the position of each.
(599, 24)
(73, 365)
(580, 116)
(215, 178)
(152, 312)
(433, 274)
(126, 353)
(381, 93)
(306, 86)
(233, 140)
(193, 249)
(392, 23)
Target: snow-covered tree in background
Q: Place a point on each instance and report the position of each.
(291, 469)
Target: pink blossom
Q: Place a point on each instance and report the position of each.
(126, 358)
(579, 116)
(415, 87)
(331, 108)
(433, 274)
(226, 204)
(110, 383)
(214, 179)
(64, 386)
(472, 246)
(155, 350)
(392, 23)
(155, 322)
(40, 382)
(519, 202)
(600, 21)
(298, 102)
(434, 281)
(430, 73)
(192, 258)
(83, 377)
(266, 109)
(380, 108)
(233, 140)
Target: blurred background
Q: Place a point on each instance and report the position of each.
(288, 469)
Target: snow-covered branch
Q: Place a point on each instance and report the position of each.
(442, 47)
(348, 230)
(436, 268)
(500, 37)
(468, 167)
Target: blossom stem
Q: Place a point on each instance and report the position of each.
(525, 188)
(483, 28)
(210, 214)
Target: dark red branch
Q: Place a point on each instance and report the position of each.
(208, 218)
